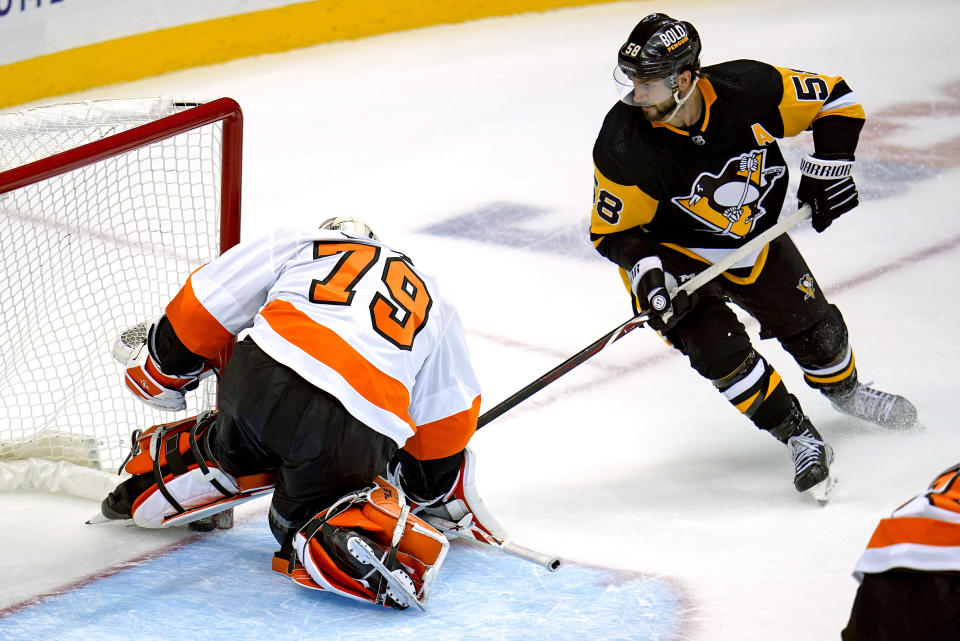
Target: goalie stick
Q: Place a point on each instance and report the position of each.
(698, 281)
(553, 563)
(464, 531)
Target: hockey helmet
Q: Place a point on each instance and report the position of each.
(658, 47)
(349, 225)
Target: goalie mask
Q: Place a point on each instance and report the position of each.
(349, 225)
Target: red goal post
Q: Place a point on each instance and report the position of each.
(105, 208)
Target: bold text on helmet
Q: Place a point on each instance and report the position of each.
(673, 37)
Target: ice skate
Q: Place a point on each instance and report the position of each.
(822, 491)
(877, 407)
(811, 460)
(363, 559)
(811, 456)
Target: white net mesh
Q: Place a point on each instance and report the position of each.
(86, 255)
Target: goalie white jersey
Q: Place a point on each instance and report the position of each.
(351, 316)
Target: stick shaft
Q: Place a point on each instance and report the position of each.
(548, 561)
(698, 281)
(552, 563)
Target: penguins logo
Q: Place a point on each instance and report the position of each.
(806, 286)
(732, 201)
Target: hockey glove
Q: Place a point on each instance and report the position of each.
(827, 186)
(136, 349)
(648, 283)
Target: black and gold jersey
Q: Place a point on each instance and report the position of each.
(708, 189)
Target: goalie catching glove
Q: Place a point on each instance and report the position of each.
(158, 369)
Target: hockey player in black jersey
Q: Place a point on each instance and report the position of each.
(687, 169)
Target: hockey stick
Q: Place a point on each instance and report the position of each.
(451, 529)
(698, 281)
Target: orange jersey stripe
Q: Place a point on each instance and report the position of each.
(917, 530)
(446, 436)
(327, 347)
(196, 327)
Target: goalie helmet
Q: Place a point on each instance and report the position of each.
(349, 225)
(660, 46)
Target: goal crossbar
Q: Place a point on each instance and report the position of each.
(106, 206)
(222, 109)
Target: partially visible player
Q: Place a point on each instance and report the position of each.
(910, 572)
(687, 169)
(351, 352)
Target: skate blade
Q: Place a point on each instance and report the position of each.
(99, 518)
(821, 491)
(364, 554)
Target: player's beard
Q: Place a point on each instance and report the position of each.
(658, 111)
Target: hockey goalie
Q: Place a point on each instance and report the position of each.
(351, 397)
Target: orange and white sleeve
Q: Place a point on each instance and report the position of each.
(445, 402)
(220, 299)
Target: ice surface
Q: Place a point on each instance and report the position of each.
(448, 138)
(221, 587)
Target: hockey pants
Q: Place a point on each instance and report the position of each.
(271, 419)
(789, 305)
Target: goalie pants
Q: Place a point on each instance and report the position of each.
(787, 301)
(272, 420)
(906, 605)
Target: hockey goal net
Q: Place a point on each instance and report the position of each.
(105, 208)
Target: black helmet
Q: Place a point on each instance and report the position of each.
(660, 46)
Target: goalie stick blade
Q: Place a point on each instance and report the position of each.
(821, 491)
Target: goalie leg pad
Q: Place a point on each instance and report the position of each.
(176, 479)
(368, 547)
(189, 492)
